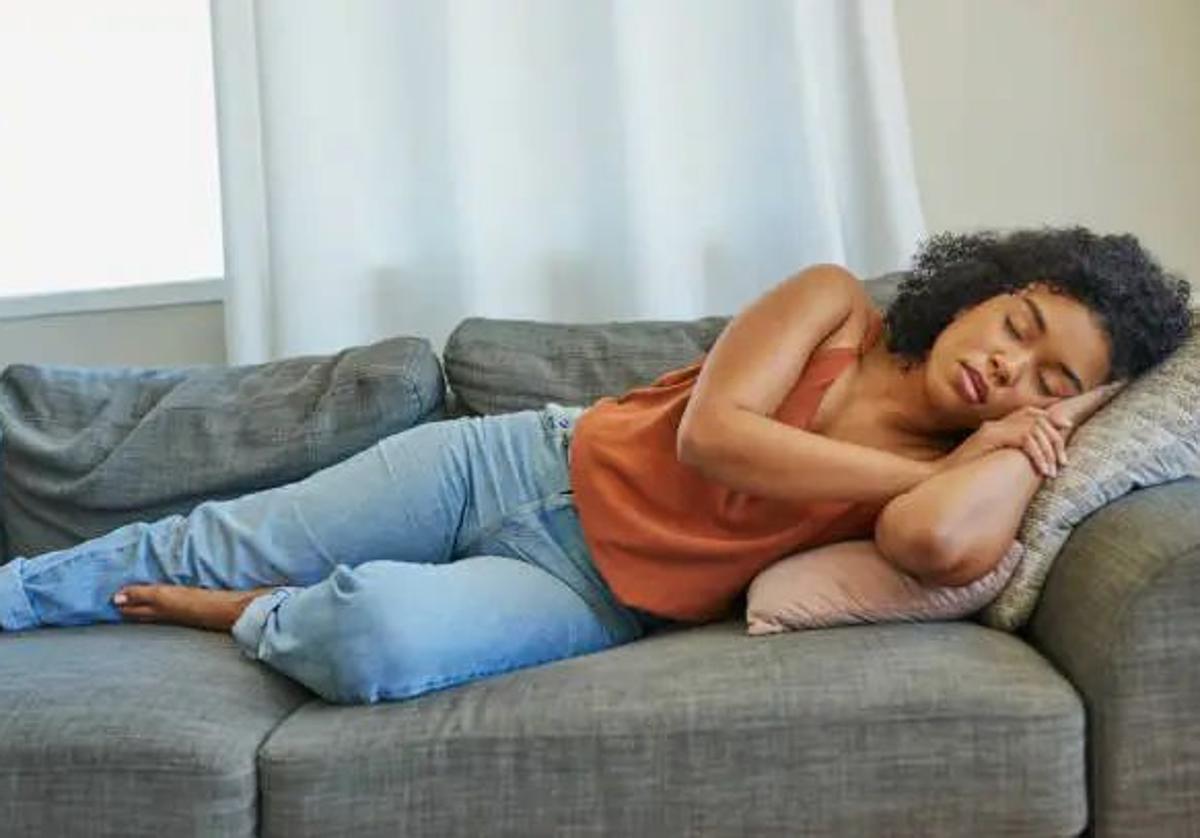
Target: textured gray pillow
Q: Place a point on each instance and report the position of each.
(499, 366)
(1148, 434)
(86, 450)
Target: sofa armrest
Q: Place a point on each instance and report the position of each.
(1120, 617)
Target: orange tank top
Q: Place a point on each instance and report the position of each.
(672, 542)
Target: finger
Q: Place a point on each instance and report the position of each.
(1046, 437)
(1056, 439)
(1059, 419)
(1045, 448)
(1034, 452)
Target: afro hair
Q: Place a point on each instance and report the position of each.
(1143, 310)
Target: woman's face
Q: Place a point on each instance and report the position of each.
(1030, 347)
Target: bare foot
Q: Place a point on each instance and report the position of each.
(183, 605)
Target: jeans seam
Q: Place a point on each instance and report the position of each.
(550, 426)
(71, 552)
(499, 523)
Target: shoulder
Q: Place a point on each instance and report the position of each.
(864, 315)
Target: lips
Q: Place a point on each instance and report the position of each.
(976, 380)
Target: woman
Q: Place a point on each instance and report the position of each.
(461, 549)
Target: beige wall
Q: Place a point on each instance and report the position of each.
(1026, 112)
(1023, 112)
(161, 336)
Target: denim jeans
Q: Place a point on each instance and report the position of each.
(444, 553)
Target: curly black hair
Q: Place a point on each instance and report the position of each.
(1143, 309)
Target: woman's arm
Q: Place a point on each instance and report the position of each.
(970, 514)
(771, 459)
(957, 525)
(727, 432)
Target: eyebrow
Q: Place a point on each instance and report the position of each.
(1041, 321)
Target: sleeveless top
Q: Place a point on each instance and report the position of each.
(672, 542)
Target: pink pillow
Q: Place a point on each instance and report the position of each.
(850, 582)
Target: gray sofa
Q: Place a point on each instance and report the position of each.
(1086, 721)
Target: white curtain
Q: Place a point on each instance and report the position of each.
(393, 167)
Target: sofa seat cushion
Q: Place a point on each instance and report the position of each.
(899, 729)
(133, 730)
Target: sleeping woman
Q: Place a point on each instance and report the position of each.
(461, 549)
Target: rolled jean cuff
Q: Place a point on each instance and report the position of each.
(16, 612)
(248, 630)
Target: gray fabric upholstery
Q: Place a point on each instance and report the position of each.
(940, 729)
(86, 450)
(931, 729)
(133, 730)
(1120, 616)
(498, 366)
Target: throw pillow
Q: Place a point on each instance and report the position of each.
(848, 582)
(1148, 434)
(86, 450)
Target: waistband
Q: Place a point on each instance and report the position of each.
(565, 415)
(564, 418)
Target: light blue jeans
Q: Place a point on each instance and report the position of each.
(442, 554)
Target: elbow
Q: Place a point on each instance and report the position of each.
(916, 548)
(692, 445)
(688, 451)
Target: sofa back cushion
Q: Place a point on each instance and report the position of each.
(86, 450)
(499, 366)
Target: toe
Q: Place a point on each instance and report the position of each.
(134, 595)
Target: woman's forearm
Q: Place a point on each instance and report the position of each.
(971, 512)
(770, 459)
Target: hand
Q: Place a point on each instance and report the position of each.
(1041, 433)
(1077, 409)
(1033, 430)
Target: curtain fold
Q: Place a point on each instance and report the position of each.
(393, 168)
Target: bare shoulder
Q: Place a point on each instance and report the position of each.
(851, 333)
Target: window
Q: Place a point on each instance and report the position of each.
(108, 147)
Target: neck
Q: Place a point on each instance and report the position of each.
(896, 395)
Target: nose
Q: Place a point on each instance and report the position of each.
(1005, 369)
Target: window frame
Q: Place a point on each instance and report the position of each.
(154, 294)
(146, 295)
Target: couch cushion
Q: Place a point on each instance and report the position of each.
(133, 730)
(86, 450)
(933, 729)
(498, 366)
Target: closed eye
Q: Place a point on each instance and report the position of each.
(1041, 381)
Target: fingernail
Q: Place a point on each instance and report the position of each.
(119, 599)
